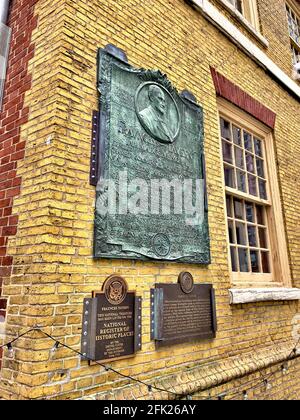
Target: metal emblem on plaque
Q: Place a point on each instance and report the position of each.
(161, 244)
(115, 289)
(186, 282)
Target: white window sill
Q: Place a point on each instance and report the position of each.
(238, 296)
(234, 12)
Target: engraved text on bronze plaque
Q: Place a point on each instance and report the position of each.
(179, 317)
(111, 330)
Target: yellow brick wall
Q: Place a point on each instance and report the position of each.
(53, 265)
(273, 26)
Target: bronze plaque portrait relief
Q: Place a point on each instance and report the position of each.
(111, 326)
(157, 112)
(151, 190)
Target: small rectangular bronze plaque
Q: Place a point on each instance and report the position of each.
(111, 332)
(178, 317)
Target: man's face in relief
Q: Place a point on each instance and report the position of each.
(158, 101)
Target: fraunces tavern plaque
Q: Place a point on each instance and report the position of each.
(151, 195)
(182, 312)
(111, 327)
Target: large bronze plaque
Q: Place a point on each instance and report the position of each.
(111, 331)
(179, 317)
(151, 196)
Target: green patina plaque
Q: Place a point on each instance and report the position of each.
(150, 196)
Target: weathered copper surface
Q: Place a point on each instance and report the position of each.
(151, 132)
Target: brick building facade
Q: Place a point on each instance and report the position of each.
(240, 61)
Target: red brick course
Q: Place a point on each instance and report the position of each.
(13, 115)
(233, 93)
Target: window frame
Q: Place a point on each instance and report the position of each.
(279, 259)
(295, 46)
(250, 12)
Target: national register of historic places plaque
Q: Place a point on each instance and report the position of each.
(151, 194)
(182, 312)
(111, 328)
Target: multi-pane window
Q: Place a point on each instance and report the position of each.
(244, 161)
(248, 236)
(247, 198)
(257, 248)
(294, 31)
(294, 24)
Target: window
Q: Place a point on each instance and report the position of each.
(246, 8)
(4, 47)
(238, 4)
(294, 32)
(253, 215)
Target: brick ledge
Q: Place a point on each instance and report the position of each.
(204, 377)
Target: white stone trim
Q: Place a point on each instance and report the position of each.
(211, 13)
(238, 296)
(231, 9)
(2, 329)
(4, 4)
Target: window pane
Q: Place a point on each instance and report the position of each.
(241, 238)
(241, 181)
(252, 185)
(265, 262)
(239, 158)
(233, 259)
(228, 206)
(260, 215)
(262, 238)
(254, 257)
(231, 232)
(250, 163)
(248, 141)
(243, 260)
(258, 147)
(239, 6)
(229, 177)
(250, 213)
(237, 135)
(262, 189)
(227, 152)
(260, 168)
(252, 236)
(238, 209)
(225, 129)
